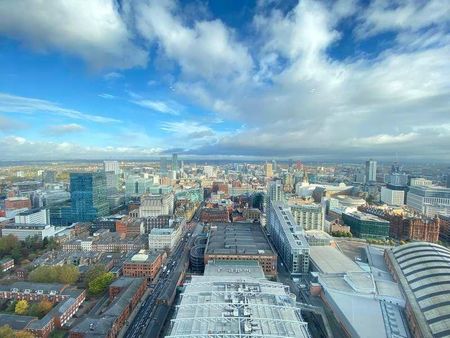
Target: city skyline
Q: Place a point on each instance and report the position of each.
(315, 80)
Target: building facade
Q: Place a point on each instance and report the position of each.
(429, 200)
(309, 216)
(366, 226)
(288, 238)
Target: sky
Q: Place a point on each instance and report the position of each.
(137, 79)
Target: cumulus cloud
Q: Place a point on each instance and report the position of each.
(19, 104)
(64, 129)
(92, 30)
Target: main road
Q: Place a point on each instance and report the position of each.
(150, 318)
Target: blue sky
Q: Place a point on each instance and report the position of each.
(342, 79)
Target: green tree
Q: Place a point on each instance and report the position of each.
(68, 274)
(6, 332)
(101, 283)
(21, 307)
(93, 272)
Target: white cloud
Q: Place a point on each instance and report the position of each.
(396, 15)
(92, 30)
(19, 104)
(170, 108)
(106, 96)
(64, 129)
(207, 50)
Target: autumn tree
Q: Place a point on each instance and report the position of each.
(21, 307)
(93, 272)
(65, 274)
(24, 334)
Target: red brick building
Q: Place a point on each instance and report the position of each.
(17, 203)
(219, 215)
(124, 295)
(129, 227)
(143, 264)
(407, 226)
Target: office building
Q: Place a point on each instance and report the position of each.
(136, 186)
(365, 225)
(422, 270)
(112, 182)
(164, 238)
(309, 216)
(112, 166)
(288, 238)
(241, 241)
(143, 264)
(371, 171)
(429, 200)
(268, 170)
(156, 205)
(175, 162)
(392, 196)
(33, 217)
(22, 231)
(275, 191)
(233, 299)
(89, 199)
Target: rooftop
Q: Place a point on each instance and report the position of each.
(238, 305)
(328, 259)
(238, 239)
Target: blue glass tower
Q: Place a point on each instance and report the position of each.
(88, 193)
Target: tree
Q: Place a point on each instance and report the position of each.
(68, 274)
(93, 273)
(100, 284)
(21, 307)
(6, 332)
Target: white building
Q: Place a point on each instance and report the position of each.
(429, 200)
(208, 170)
(288, 238)
(420, 181)
(161, 238)
(22, 231)
(33, 217)
(392, 197)
(310, 216)
(156, 205)
(112, 166)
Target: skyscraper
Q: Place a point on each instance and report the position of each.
(174, 162)
(88, 193)
(111, 166)
(371, 171)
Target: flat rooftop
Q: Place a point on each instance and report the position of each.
(238, 239)
(236, 305)
(328, 259)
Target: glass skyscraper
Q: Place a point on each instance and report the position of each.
(88, 193)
